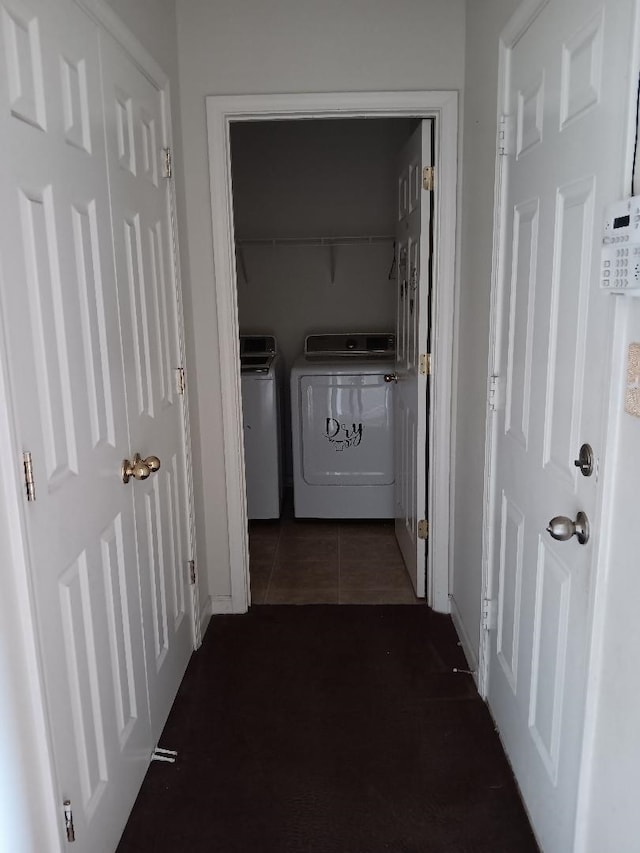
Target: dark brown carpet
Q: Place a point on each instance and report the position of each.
(329, 730)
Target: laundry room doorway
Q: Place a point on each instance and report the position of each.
(372, 275)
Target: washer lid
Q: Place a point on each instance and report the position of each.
(255, 363)
(257, 345)
(368, 345)
(256, 353)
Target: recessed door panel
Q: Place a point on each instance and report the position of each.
(521, 319)
(572, 255)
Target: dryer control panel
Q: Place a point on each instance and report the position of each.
(368, 345)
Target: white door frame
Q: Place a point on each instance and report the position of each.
(443, 106)
(29, 764)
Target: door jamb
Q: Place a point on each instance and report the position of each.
(221, 111)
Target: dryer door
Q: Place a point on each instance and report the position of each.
(347, 430)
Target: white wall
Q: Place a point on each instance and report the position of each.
(316, 179)
(247, 46)
(484, 23)
(153, 23)
(612, 816)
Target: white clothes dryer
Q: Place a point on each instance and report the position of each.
(260, 368)
(342, 427)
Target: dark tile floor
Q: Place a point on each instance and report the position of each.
(296, 561)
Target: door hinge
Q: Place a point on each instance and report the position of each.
(425, 364)
(506, 135)
(169, 756)
(68, 821)
(29, 482)
(192, 572)
(168, 164)
(495, 393)
(428, 177)
(489, 613)
(423, 529)
(180, 380)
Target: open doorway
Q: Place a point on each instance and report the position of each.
(334, 271)
(221, 114)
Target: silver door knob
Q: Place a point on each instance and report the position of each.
(585, 460)
(391, 377)
(562, 528)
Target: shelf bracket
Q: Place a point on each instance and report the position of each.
(332, 263)
(242, 264)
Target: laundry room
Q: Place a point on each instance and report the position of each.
(315, 223)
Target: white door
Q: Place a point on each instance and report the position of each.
(412, 330)
(137, 133)
(60, 316)
(566, 93)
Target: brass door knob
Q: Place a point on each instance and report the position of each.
(138, 468)
(153, 462)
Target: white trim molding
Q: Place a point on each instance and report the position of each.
(220, 604)
(468, 647)
(221, 111)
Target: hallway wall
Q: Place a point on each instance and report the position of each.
(485, 21)
(153, 23)
(244, 46)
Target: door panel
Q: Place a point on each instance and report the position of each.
(411, 391)
(61, 325)
(553, 353)
(145, 273)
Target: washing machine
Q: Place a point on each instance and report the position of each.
(342, 427)
(261, 376)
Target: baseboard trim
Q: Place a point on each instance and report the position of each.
(221, 604)
(205, 616)
(470, 653)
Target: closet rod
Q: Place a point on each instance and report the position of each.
(316, 241)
